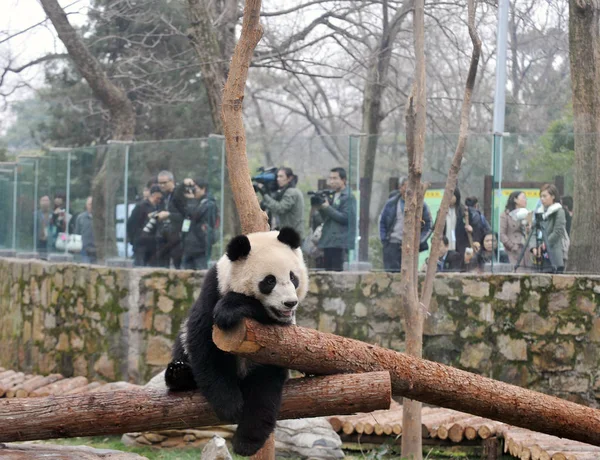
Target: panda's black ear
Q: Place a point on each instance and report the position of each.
(238, 248)
(289, 236)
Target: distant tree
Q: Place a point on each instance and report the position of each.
(553, 154)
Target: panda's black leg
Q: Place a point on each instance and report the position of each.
(262, 390)
(215, 373)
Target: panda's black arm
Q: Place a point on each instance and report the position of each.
(234, 307)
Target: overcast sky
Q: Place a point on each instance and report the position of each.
(36, 42)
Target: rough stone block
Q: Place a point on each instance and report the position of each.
(476, 356)
(512, 349)
(510, 291)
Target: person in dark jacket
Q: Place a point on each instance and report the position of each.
(339, 221)
(480, 224)
(488, 254)
(449, 261)
(198, 224)
(141, 228)
(170, 219)
(391, 228)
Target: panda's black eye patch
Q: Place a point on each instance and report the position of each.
(267, 284)
(294, 279)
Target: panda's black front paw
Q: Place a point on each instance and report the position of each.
(227, 319)
(179, 376)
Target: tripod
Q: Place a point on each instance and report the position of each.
(541, 238)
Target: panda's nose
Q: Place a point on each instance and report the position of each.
(291, 303)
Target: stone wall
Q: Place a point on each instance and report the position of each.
(537, 331)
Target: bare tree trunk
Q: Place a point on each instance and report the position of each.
(122, 117)
(314, 352)
(584, 44)
(415, 143)
(412, 446)
(252, 218)
(373, 93)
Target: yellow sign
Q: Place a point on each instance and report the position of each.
(434, 194)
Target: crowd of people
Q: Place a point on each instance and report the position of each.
(537, 241)
(176, 225)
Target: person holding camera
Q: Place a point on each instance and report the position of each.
(286, 205)
(198, 224)
(170, 219)
(339, 220)
(141, 228)
(554, 249)
(391, 228)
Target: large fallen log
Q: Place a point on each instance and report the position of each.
(118, 412)
(315, 352)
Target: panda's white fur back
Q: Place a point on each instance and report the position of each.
(267, 256)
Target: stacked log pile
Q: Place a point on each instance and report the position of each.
(452, 426)
(528, 445)
(178, 438)
(20, 385)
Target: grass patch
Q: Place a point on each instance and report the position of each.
(114, 442)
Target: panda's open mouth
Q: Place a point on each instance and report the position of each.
(283, 314)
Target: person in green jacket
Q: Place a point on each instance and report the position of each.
(287, 204)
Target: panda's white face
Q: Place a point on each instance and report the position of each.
(278, 294)
(272, 272)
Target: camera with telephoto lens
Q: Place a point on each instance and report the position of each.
(151, 224)
(320, 196)
(267, 177)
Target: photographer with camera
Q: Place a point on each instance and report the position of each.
(391, 228)
(170, 219)
(197, 230)
(339, 220)
(286, 205)
(554, 247)
(141, 228)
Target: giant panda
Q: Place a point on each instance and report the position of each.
(262, 276)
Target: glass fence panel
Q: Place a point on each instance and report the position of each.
(26, 198)
(8, 207)
(45, 199)
(177, 188)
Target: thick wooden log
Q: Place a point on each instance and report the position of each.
(314, 352)
(126, 411)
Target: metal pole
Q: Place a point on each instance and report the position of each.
(68, 202)
(125, 197)
(499, 108)
(35, 205)
(14, 216)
